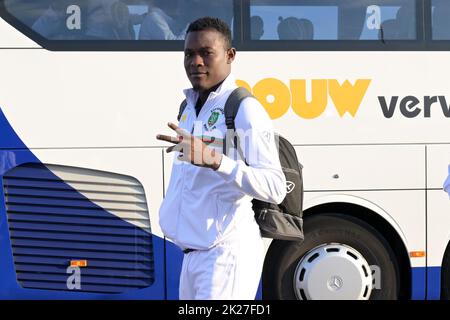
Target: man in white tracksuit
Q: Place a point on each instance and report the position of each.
(207, 210)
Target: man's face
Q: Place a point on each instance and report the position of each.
(207, 60)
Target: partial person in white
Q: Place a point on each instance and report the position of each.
(207, 210)
(447, 182)
(162, 21)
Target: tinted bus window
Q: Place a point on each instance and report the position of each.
(441, 19)
(115, 19)
(333, 20)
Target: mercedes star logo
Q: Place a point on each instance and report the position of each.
(335, 283)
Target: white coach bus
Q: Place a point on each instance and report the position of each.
(359, 87)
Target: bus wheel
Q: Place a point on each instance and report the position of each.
(342, 257)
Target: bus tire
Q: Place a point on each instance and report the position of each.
(445, 275)
(320, 229)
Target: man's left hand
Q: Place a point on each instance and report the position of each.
(191, 148)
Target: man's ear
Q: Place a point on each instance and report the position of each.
(231, 54)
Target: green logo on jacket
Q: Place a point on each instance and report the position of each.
(213, 118)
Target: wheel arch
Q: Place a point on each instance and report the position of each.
(375, 216)
(445, 274)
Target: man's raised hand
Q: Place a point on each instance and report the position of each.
(191, 148)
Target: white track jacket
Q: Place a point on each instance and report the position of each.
(203, 207)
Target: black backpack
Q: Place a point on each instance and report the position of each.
(277, 221)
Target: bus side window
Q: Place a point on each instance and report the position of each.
(406, 22)
(61, 20)
(108, 20)
(75, 19)
(169, 20)
(115, 19)
(300, 20)
(397, 21)
(256, 27)
(388, 30)
(441, 20)
(335, 19)
(292, 28)
(400, 28)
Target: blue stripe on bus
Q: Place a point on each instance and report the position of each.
(434, 283)
(10, 140)
(173, 269)
(418, 282)
(34, 259)
(426, 283)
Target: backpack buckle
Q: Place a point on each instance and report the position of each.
(229, 121)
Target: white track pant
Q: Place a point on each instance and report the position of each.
(230, 270)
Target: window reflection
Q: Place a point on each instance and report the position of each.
(115, 19)
(333, 20)
(441, 19)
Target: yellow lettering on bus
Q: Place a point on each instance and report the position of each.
(274, 95)
(347, 98)
(319, 98)
(277, 97)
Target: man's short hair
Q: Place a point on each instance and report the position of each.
(212, 23)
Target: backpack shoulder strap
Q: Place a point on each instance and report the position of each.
(230, 111)
(182, 107)
(232, 105)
